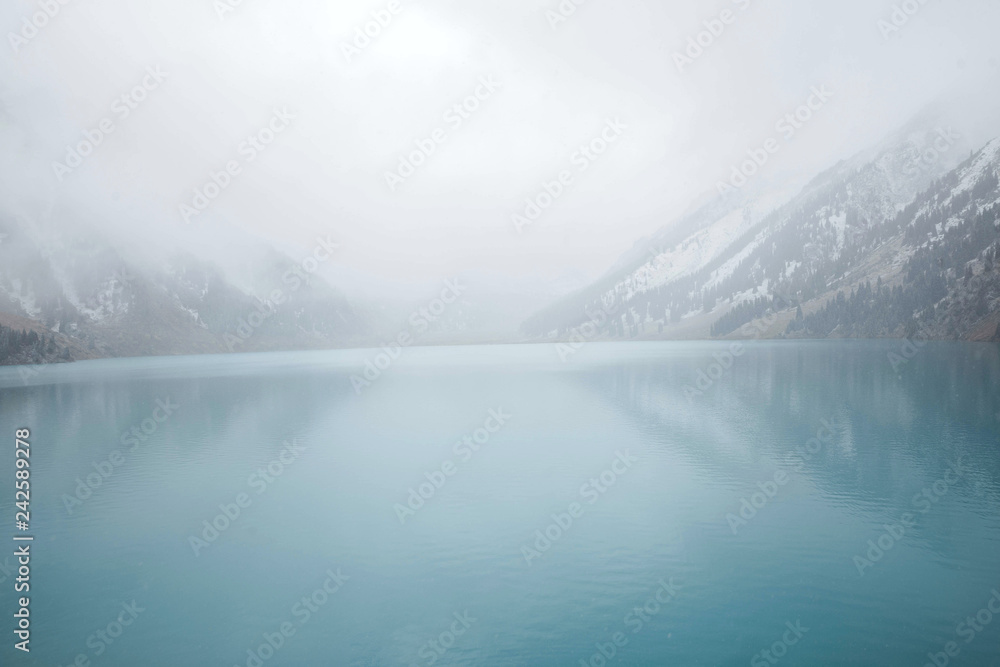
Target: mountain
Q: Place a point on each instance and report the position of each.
(94, 300)
(947, 284)
(897, 241)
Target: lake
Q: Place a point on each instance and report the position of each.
(794, 503)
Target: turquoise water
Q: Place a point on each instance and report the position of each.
(870, 531)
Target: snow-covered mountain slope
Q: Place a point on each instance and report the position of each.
(77, 284)
(853, 222)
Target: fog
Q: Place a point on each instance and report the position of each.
(348, 110)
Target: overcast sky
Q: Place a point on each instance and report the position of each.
(557, 86)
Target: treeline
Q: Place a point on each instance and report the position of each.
(935, 271)
(866, 312)
(22, 346)
(748, 311)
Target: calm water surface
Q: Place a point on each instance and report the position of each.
(805, 499)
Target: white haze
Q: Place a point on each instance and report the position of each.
(325, 174)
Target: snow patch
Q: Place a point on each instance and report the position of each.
(22, 296)
(984, 162)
